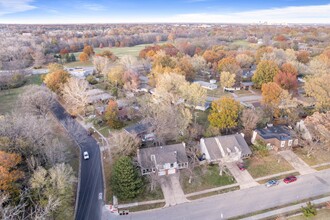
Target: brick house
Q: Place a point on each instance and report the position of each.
(276, 137)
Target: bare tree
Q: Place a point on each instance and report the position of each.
(74, 92)
(124, 144)
(37, 100)
(249, 121)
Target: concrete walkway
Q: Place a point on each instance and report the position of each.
(243, 177)
(277, 212)
(172, 190)
(297, 163)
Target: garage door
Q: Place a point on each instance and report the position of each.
(171, 171)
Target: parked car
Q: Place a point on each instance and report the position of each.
(290, 179)
(86, 155)
(271, 183)
(241, 166)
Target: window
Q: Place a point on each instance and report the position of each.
(289, 143)
(282, 143)
(172, 165)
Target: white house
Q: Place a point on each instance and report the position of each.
(163, 160)
(207, 85)
(222, 149)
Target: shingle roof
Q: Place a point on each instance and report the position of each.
(229, 143)
(164, 154)
(279, 132)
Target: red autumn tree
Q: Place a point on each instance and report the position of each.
(286, 80)
(289, 68)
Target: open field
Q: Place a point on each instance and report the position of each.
(269, 165)
(9, 97)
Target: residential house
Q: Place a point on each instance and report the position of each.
(97, 95)
(163, 160)
(278, 137)
(139, 129)
(79, 72)
(246, 85)
(223, 149)
(207, 85)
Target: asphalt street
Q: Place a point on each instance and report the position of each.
(91, 181)
(240, 202)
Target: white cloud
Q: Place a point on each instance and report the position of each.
(14, 6)
(93, 6)
(292, 14)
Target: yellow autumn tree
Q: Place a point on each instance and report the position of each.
(9, 173)
(224, 113)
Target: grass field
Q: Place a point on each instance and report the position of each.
(204, 179)
(9, 97)
(269, 165)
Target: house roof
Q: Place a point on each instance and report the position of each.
(217, 146)
(279, 132)
(137, 128)
(164, 154)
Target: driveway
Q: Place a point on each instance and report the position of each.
(297, 163)
(243, 177)
(172, 190)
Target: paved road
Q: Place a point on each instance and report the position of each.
(241, 202)
(91, 179)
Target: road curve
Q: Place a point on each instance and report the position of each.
(91, 180)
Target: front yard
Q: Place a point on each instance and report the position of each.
(268, 165)
(318, 156)
(204, 178)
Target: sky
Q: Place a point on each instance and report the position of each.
(164, 11)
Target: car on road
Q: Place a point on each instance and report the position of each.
(86, 155)
(241, 166)
(290, 179)
(271, 183)
(100, 196)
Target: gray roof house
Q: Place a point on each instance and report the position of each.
(163, 160)
(223, 149)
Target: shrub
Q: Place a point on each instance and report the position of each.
(309, 210)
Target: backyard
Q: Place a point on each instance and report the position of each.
(204, 178)
(268, 165)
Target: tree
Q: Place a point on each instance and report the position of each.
(101, 63)
(244, 60)
(273, 96)
(266, 70)
(83, 57)
(9, 173)
(227, 79)
(37, 100)
(115, 75)
(72, 57)
(74, 93)
(124, 144)
(318, 87)
(56, 185)
(56, 77)
(125, 181)
(286, 80)
(303, 56)
(229, 64)
(224, 113)
(88, 50)
(289, 68)
(249, 120)
(111, 115)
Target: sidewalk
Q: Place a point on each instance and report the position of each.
(277, 212)
(297, 163)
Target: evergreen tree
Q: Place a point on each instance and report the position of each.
(126, 182)
(73, 58)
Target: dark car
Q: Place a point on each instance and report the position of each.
(290, 179)
(241, 166)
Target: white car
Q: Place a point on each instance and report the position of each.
(100, 196)
(86, 155)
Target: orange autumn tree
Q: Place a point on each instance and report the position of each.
(287, 81)
(56, 77)
(111, 115)
(83, 57)
(8, 170)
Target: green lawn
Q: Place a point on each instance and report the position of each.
(269, 165)
(318, 156)
(217, 93)
(322, 214)
(9, 97)
(118, 51)
(204, 178)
